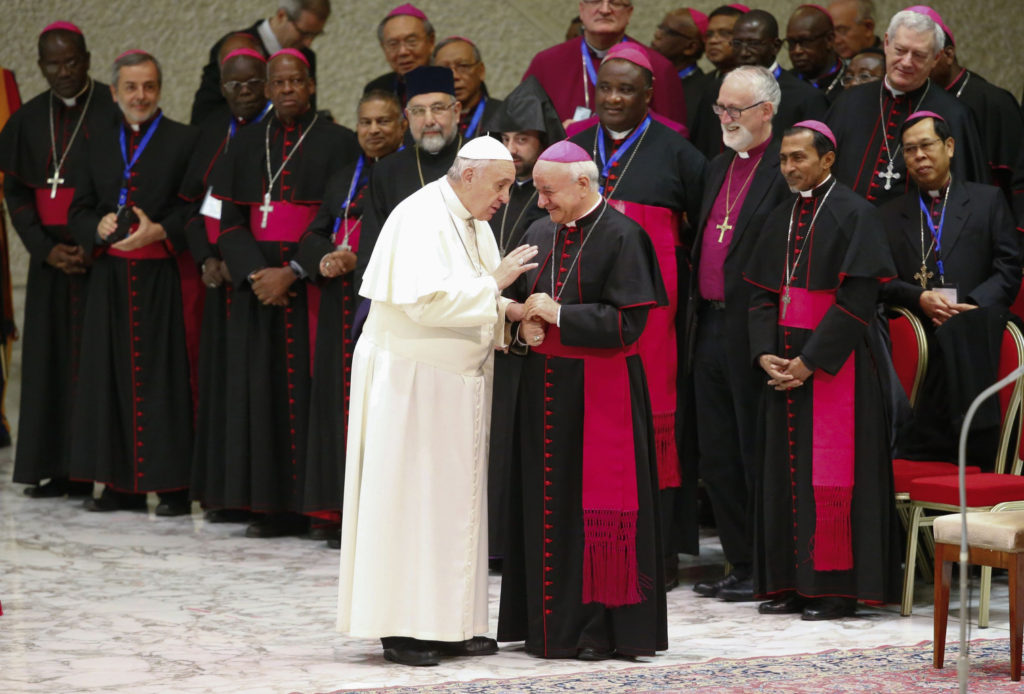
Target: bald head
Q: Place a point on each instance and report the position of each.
(756, 39)
(289, 86)
(854, 25)
(678, 38)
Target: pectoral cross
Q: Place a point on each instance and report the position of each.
(266, 208)
(785, 301)
(723, 227)
(54, 181)
(923, 276)
(889, 175)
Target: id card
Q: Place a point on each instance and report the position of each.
(211, 205)
(582, 113)
(947, 292)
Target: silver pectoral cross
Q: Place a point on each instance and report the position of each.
(266, 208)
(54, 181)
(785, 301)
(723, 227)
(889, 175)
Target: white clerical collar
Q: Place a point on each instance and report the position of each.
(523, 182)
(809, 193)
(70, 103)
(452, 200)
(592, 208)
(743, 155)
(620, 135)
(134, 127)
(268, 37)
(595, 51)
(895, 92)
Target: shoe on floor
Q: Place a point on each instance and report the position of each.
(412, 652)
(821, 609)
(710, 589)
(740, 591)
(227, 515)
(111, 500)
(478, 645)
(277, 525)
(592, 655)
(787, 603)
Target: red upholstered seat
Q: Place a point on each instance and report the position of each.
(906, 471)
(983, 489)
(1018, 305)
(906, 352)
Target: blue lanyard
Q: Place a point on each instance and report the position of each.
(687, 71)
(589, 64)
(474, 122)
(351, 192)
(776, 72)
(936, 234)
(122, 196)
(233, 128)
(817, 83)
(606, 165)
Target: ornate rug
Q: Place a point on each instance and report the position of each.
(888, 669)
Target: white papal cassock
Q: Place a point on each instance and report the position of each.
(414, 525)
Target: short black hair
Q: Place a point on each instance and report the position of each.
(765, 19)
(384, 95)
(822, 145)
(725, 11)
(74, 37)
(942, 129)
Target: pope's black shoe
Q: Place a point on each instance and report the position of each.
(820, 609)
(413, 652)
(478, 645)
(787, 603)
(710, 589)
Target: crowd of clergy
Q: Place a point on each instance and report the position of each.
(675, 302)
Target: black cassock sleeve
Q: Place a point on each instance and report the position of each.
(762, 323)
(1002, 285)
(237, 245)
(311, 251)
(83, 215)
(195, 235)
(21, 204)
(843, 326)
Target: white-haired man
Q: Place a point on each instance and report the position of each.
(867, 119)
(744, 185)
(416, 465)
(583, 575)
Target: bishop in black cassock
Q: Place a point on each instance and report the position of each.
(243, 73)
(271, 185)
(583, 575)
(528, 123)
(135, 436)
(866, 119)
(380, 129)
(827, 533)
(958, 235)
(39, 181)
(655, 177)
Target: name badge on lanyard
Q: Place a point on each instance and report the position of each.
(211, 205)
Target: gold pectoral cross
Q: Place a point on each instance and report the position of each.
(723, 227)
(923, 276)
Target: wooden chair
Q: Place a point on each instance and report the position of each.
(994, 539)
(940, 494)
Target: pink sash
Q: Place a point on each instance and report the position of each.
(832, 461)
(53, 212)
(287, 221)
(610, 504)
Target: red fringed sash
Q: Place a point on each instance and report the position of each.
(610, 505)
(833, 441)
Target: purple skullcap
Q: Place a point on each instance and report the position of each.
(564, 152)
(293, 52)
(925, 114)
(700, 19)
(633, 52)
(244, 51)
(931, 14)
(132, 51)
(61, 26)
(818, 127)
(739, 6)
(408, 9)
(819, 8)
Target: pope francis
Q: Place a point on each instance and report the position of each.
(414, 525)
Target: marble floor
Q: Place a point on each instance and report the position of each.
(128, 602)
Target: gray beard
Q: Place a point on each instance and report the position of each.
(435, 142)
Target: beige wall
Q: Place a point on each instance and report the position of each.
(508, 32)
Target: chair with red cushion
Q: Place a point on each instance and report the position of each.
(936, 495)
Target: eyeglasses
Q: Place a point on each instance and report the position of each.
(253, 85)
(459, 67)
(752, 44)
(911, 150)
(804, 42)
(304, 35)
(435, 109)
(412, 42)
(614, 4)
(733, 112)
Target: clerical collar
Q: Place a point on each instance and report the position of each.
(302, 119)
(620, 135)
(136, 127)
(940, 191)
(70, 103)
(755, 151)
(595, 51)
(586, 214)
(892, 90)
(451, 199)
(268, 37)
(520, 184)
(816, 190)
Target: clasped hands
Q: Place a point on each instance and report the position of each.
(146, 233)
(785, 374)
(939, 308)
(539, 311)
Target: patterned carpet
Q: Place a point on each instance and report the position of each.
(889, 669)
